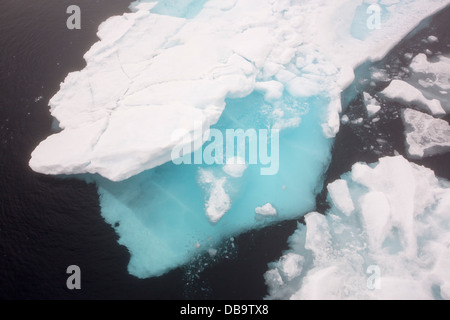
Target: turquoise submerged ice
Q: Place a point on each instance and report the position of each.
(162, 213)
(169, 69)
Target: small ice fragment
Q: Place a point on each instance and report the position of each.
(266, 210)
(432, 39)
(408, 56)
(357, 121)
(212, 252)
(345, 119)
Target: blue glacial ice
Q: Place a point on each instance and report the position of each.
(184, 66)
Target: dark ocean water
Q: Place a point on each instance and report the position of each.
(48, 223)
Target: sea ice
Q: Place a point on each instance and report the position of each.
(404, 93)
(165, 71)
(165, 59)
(394, 245)
(340, 196)
(425, 136)
(433, 77)
(432, 39)
(439, 69)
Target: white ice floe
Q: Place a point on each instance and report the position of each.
(406, 94)
(425, 136)
(395, 244)
(340, 196)
(439, 70)
(163, 68)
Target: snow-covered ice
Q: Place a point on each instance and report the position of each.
(394, 245)
(117, 114)
(425, 136)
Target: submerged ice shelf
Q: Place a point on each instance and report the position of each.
(167, 215)
(200, 65)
